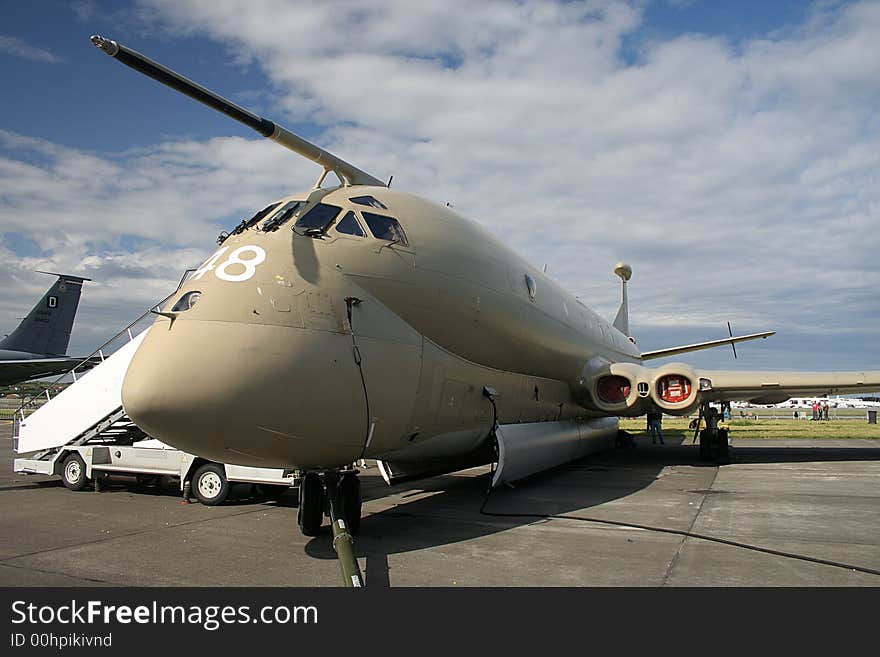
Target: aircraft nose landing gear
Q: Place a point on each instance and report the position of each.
(310, 512)
(340, 492)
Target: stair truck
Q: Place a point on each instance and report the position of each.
(83, 434)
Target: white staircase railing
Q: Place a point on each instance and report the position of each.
(43, 421)
(99, 355)
(79, 407)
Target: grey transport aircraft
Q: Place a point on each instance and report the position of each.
(37, 346)
(359, 321)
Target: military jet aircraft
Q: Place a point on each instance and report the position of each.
(359, 321)
(37, 346)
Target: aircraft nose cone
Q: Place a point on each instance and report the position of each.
(170, 400)
(257, 395)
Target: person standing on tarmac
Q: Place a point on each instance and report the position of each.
(655, 421)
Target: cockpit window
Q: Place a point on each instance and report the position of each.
(370, 201)
(318, 218)
(349, 225)
(385, 228)
(247, 223)
(186, 302)
(287, 211)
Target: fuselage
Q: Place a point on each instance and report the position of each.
(373, 336)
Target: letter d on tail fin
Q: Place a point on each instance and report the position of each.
(46, 329)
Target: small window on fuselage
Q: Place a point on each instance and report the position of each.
(349, 225)
(385, 228)
(319, 217)
(283, 215)
(371, 201)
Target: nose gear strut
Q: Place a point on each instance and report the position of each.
(341, 490)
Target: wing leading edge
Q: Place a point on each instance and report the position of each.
(17, 371)
(672, 351)
(774, 387)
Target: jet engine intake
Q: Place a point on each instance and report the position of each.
(613, 389)
(616, 389)
(630, 390)
(675, 389)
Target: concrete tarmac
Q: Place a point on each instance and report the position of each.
(815, 499)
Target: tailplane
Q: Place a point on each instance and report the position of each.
(46, 329)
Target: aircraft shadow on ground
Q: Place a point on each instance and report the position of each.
(53, 483)
(446, 510)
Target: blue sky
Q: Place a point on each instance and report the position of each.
(728, 151)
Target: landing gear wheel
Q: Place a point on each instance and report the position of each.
(310, 514)
(704, 445)
(209, 484)
(624, 439)
(350, 502)
(73, 472)
(723, 446)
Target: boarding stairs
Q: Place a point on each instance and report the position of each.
(89, 410)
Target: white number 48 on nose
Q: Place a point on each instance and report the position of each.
(242, 268)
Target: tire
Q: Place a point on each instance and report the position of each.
(310, 514)
(209, 484)
(73, 472)
(350, 502)
(723, 446)
(271, 491)
(704, 444)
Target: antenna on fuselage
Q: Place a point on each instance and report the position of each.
(621, 321)
(347, 173)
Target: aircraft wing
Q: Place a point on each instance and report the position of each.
(774, 387)
(16, 371)
(683, 349)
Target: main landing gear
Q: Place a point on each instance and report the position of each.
(339, 495)
(714, 440)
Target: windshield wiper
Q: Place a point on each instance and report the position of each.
(391, 243)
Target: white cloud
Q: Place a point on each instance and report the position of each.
(132, 223)
(21, 48)
(739, 181)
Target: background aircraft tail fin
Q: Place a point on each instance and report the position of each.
(46, 329)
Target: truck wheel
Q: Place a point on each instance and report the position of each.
(73, 472)
(210, 485)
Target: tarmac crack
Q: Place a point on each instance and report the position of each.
(672, 562)
(56, 572)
